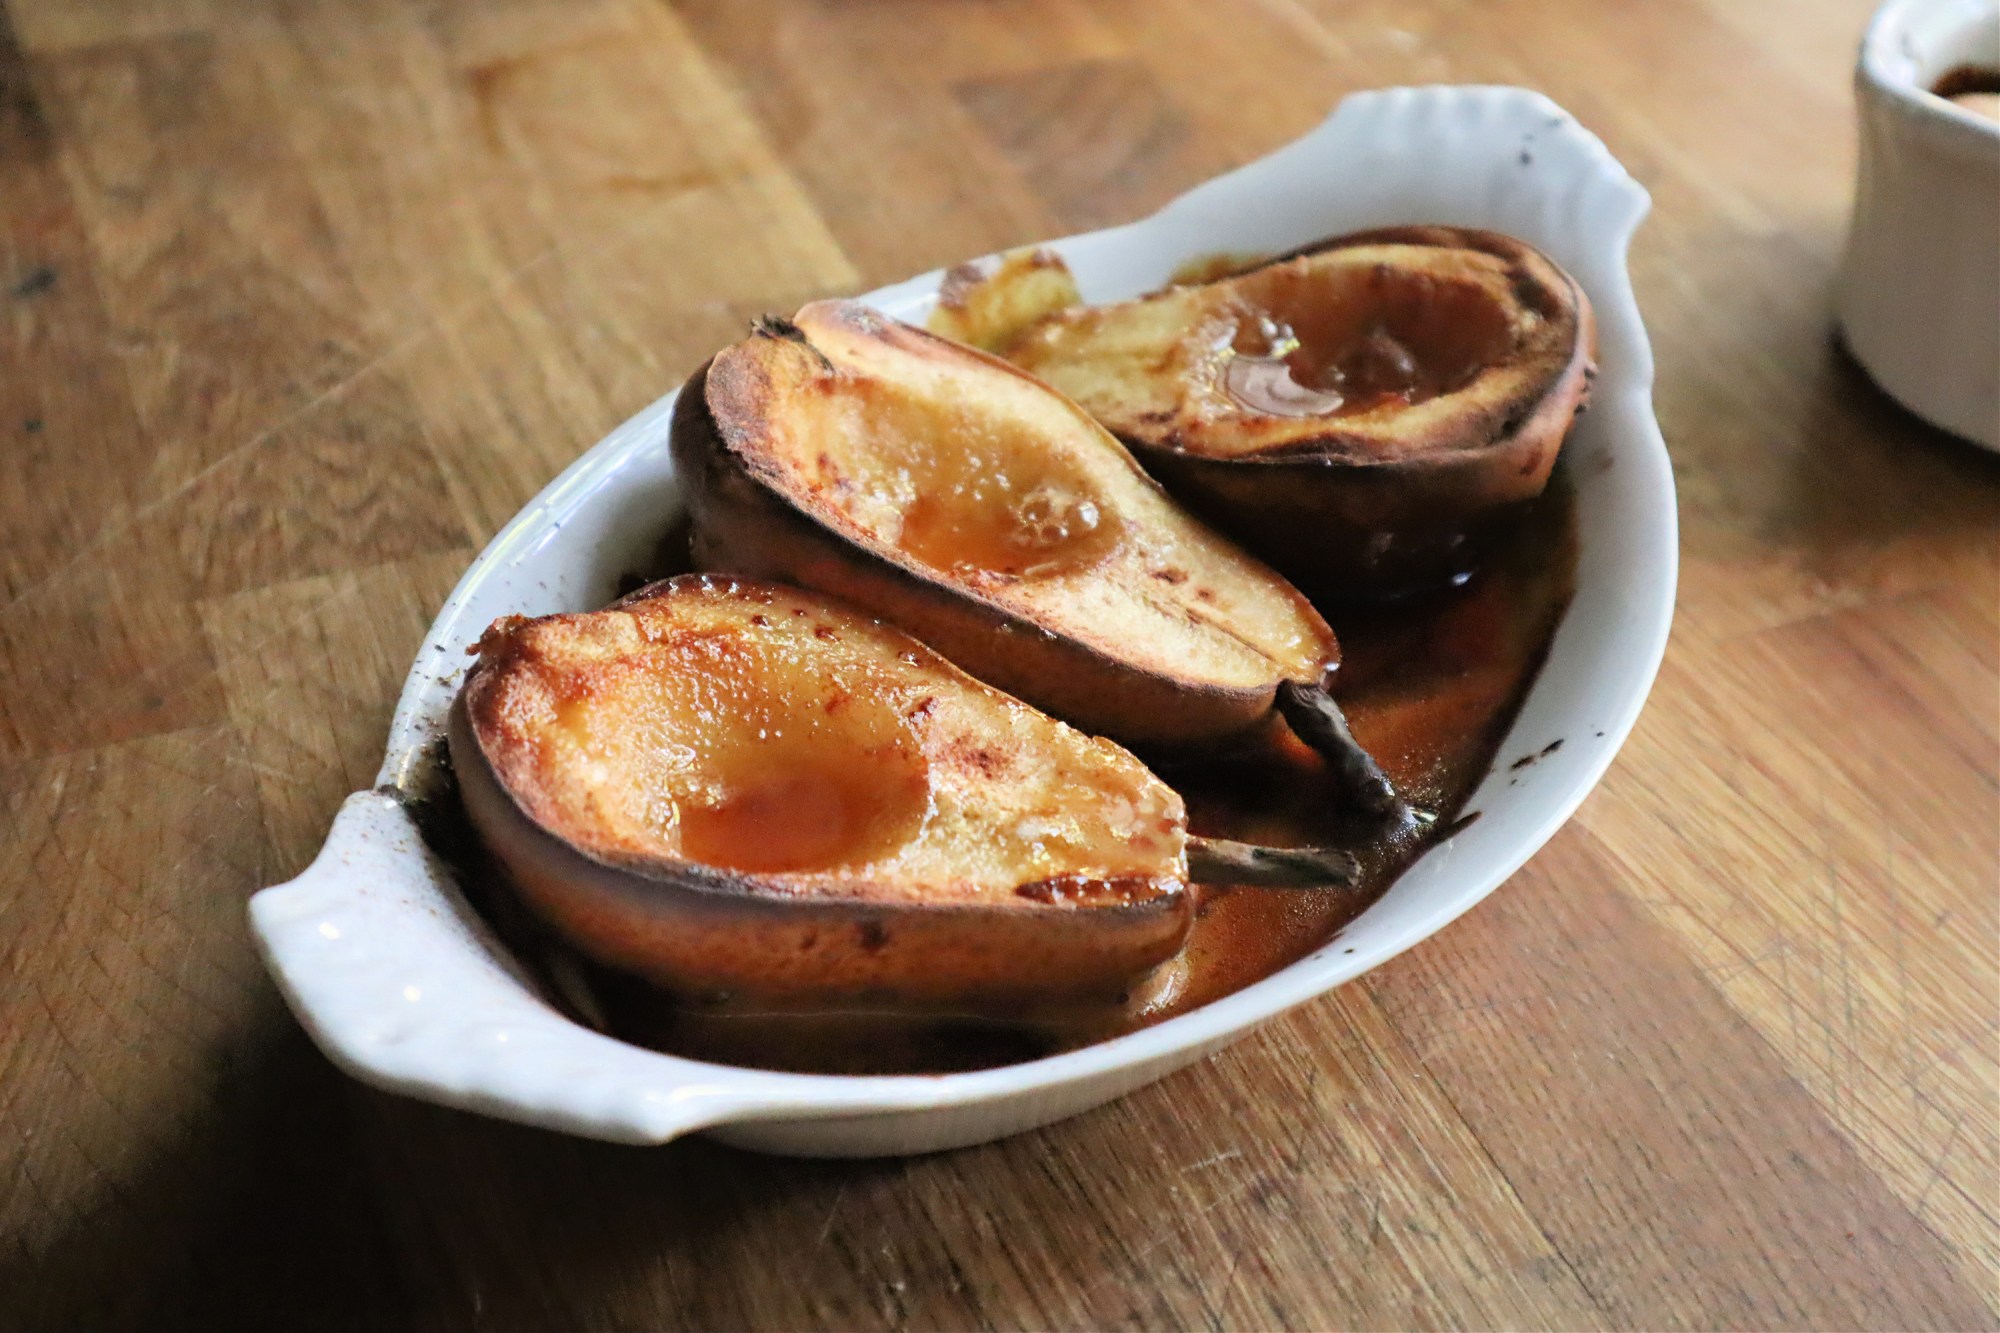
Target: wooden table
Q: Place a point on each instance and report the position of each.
(299, 301)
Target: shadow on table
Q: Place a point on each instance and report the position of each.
(257, 1210)
(304, 1200)
(1799, 458)
(1897, 471)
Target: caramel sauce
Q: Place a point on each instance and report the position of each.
(992, 503)
(1017, 527)
(804, 812)
(723, 760)
(1353, 340)
(1430, 688)
(1266, 385)
(1305, 381)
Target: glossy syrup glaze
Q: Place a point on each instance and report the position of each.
(705, 738)
(1430, 688)
(996, 503)
(1346, 341)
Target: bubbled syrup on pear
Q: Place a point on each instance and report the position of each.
(978, 492)
(999, 522)
(1384, 338)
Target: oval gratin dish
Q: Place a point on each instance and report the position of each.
(403, 985)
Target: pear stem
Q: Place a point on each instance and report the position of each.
(776, 326)
(1218, 861)
(1318, 721)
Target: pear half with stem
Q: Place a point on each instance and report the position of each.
(963, 500)
(1365, 413)
(740, 789)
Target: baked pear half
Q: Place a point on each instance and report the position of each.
(737, 789)
(1365, 413)
(963, 500)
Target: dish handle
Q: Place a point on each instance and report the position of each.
(403, 986)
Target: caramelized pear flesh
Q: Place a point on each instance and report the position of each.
(962, 500)
(737, 787)
(1364, 413)
(742, 789)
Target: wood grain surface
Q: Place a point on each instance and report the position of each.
(300, 300)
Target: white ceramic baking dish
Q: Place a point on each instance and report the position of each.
(401, 983)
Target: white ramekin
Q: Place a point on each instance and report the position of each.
(1919, 295)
